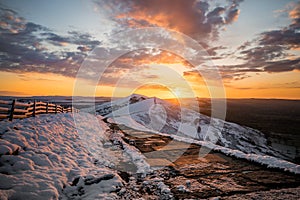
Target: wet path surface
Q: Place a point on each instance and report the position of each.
(215, 175)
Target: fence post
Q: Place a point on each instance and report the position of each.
(47, 108)
(55, 109)
(34, 108)
(12, 109)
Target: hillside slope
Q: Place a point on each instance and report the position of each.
(153, 114)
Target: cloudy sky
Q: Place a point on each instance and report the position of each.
(252, 45)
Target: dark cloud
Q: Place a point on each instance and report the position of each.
(282, 65)
(288, 85)
(270, 52)
(215, 16)
(84, 48)
(244, 45)
(227, 73)
(26, 47)
(250, 70)
(289, 37)
(74, 37)
(263, 53)
(212, 51)
(238, 72)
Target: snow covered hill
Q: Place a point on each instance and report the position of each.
(156, 115)
(114, 105)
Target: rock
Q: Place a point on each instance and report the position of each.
(188, 183)
(181, 188)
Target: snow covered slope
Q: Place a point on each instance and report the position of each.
(50, 157)
(156, 115)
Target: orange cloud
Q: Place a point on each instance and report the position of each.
(152, 56)
(3, 24)
(175, 20)
(156, 90)
(236, 16)
(197, 19)
(154, 87)
(295, 12)
(194, 77)
(63, 44)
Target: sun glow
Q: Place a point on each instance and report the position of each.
(35, 84)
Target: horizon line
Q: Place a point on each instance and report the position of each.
(233, 98)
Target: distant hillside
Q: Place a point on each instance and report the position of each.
(267, 115)
(278, 119)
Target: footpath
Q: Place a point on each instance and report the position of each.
(190, 176)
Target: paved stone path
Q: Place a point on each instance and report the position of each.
(215, 175)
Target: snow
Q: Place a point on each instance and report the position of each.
(163, 188)
(182, 124)
(45, 158)
(269, 161)
(128, 122)
(164, 117)
(108, 107)
(143, 168)
(138, 158)
(67, 156)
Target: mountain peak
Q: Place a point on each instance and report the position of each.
(133, 98)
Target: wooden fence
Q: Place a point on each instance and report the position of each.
(19, 110)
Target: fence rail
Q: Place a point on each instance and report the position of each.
(19, 110)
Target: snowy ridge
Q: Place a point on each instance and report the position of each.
(231, 139)
(108, 107)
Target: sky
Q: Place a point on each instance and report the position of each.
(164, 48)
